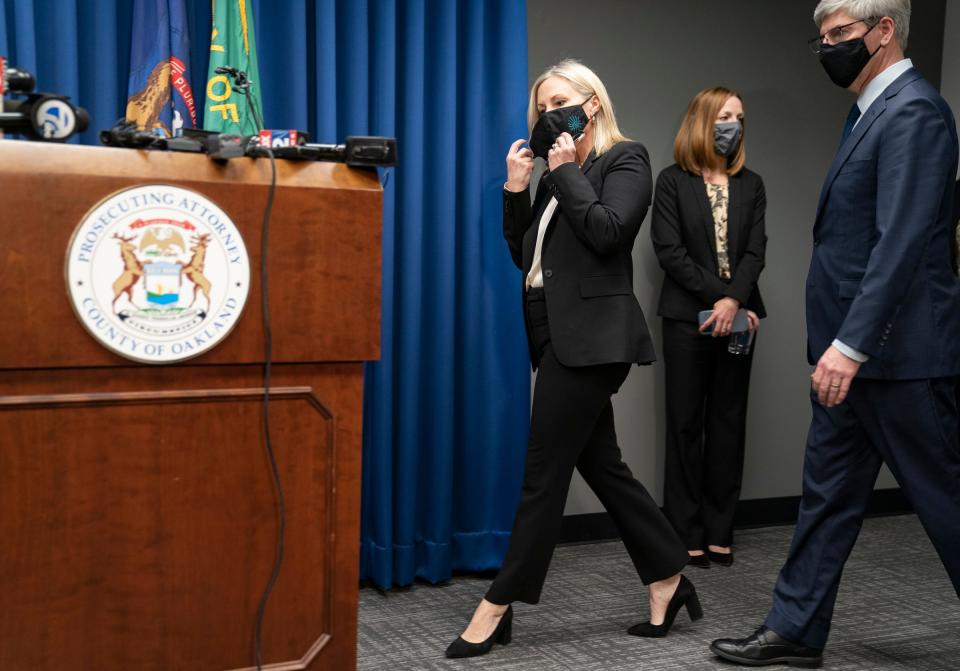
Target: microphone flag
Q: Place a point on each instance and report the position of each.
(160, 99)
(232, 44)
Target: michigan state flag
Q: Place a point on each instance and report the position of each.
(159, 98)
(232, 44)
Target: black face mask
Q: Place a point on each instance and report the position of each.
(572, 119)
(845, 61)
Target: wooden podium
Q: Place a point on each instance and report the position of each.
(137, 509)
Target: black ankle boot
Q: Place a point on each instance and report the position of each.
(502, 635)
(686, 595)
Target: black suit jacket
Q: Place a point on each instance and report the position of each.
(587, 266)
(684, 239)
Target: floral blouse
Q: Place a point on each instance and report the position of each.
(719, 195)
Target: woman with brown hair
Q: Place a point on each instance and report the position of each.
(708, 234)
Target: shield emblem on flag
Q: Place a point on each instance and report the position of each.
(163, 282)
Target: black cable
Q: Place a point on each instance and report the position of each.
(242, 85)
(267, 365)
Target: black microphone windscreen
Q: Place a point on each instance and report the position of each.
(19, 81)
(83, 119)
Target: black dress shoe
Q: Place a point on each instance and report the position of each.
(686, 595)
(765, 647)
(502, 635)
(722, 558)
(700, 561)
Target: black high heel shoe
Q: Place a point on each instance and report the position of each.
(503, 634)
(686, 595)
(700, 561)
(721, 558)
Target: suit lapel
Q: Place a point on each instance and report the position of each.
(699, 190)
(590, 161)
(843, 154)
(734, 219)
(869, 117)
(545, 191)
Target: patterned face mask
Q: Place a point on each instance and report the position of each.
(572, 119)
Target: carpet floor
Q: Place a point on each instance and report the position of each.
(896, 610)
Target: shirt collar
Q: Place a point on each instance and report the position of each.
(879, 83)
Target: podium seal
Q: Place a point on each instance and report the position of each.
(157, 274)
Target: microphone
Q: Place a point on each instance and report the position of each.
(224, 146)
(17, 81)
(358, 152)
(44, 117)
(240, 79)
(126, 134)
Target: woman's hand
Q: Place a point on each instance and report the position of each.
(519, 167)
(564, 151)
(724, 310)
(753, 321)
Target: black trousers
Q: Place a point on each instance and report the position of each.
(706, 426)
(571, 426)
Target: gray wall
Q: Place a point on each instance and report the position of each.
(653, 56)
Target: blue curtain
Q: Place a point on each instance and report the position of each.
(447, 406)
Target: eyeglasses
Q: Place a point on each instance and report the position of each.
(837, 35)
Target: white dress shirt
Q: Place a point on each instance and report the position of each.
(867, 97)
(879, 84)
(535, 276)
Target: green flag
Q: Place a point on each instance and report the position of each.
(232, 44)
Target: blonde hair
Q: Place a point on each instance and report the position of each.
(693, 148)
(606, 132)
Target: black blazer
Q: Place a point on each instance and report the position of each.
(587, 267)
(684, 240)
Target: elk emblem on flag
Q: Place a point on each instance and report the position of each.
(160, 99)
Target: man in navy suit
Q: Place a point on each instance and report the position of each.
(883, 323)
(956, 228)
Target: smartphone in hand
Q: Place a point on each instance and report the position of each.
(740, 323)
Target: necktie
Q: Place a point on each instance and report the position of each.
(851, 122)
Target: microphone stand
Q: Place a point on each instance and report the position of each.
(242, 83)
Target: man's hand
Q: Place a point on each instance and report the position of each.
(832, 377)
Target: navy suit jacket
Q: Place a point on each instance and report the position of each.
(880, 276)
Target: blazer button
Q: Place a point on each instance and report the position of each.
(816, 242)
(548, 274)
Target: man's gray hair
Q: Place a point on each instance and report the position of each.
(898, 10)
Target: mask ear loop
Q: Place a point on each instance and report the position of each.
(589, 121)
(864, 38)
